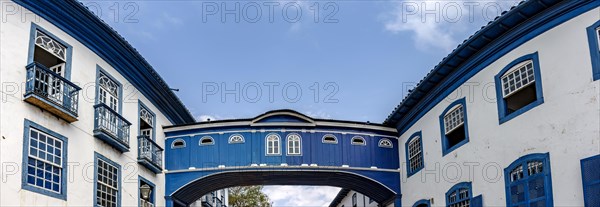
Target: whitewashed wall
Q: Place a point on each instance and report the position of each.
(81, 143)
(566, 125)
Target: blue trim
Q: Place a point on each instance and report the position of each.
(457, 187)
(594, 49)
(587, 183)
(436, 87)
(445, 149)
(64, 174)
(408, 171)
(69, 51)
(140, 106)
(103, 158)
(178, 147)
(421, 202)
(120, 90)
(503, 115)
(545, 158)
(152, 193)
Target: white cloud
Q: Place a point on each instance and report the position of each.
(437, 24)
(301, 195)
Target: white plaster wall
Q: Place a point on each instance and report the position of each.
(14, 43)
(361, 200)
(566, 125)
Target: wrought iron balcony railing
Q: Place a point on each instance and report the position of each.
(111, 127)
(51, 91)
(150, 154)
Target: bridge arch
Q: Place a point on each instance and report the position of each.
(356, 161)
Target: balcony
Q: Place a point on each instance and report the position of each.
(150, 154)
(111, 127)
(51, 92)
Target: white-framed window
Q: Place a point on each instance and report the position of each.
(454, 119)
(386, 143)
(107, 183)
(108, 92)
(178, 143)
(207, 140)
(146, 124)
(44, 162)
(517, 78)
(50, 45)
(273, 144)
(329, 139)
(294, 144)
(354, 200)
(236, 139)
(358, 140)
(48, 52)
(415, 155)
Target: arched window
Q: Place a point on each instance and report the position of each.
(385, 143)
(178, 143)
(108, 92)
(294, 144)
(273, 144)
(354, 200)
(358, 140)
(459, 195)
(329, 139)
(236, 138)
(528, 181)
(518, 87)
(207, 140)
(414, 154)
(422, 203)
(453, 123)
(146, 124)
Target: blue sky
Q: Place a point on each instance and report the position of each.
(349, 60)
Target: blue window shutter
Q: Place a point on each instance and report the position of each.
(590, 171)
(477, 201)
(536, 188)
(517, 193)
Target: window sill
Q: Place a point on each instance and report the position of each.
(449, 150)
(521, 111)
(409, 174)
(34, 189)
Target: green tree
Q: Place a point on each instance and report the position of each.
(248, 196)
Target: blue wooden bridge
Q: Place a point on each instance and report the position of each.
(281, 147)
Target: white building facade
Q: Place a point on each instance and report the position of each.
(511, 117)
(82, 111)
(515, 126)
